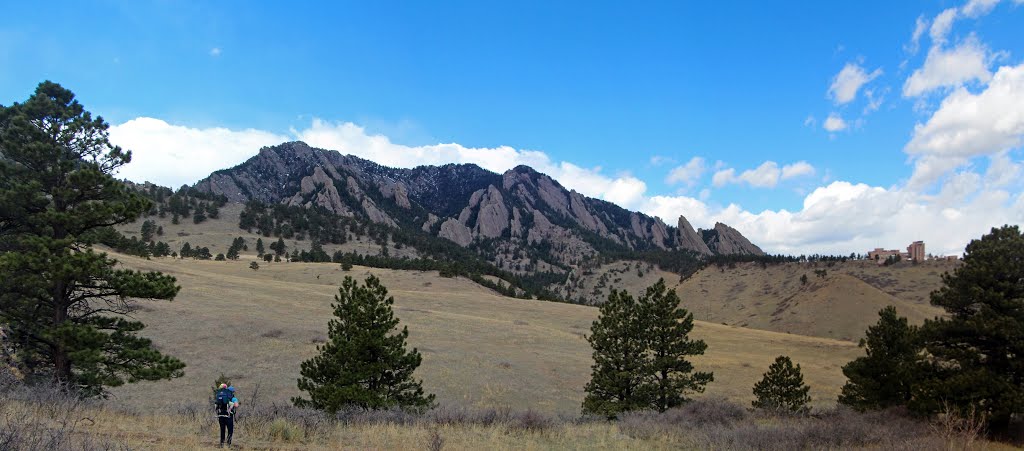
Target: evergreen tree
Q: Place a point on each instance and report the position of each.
(259, 247)
(280, 248)
(254, 266)
(976, 349)
(782, 388)
(147, 231)
(883, 378)
(65, 306)
(617, 379)
(160, 231)
(186, 250)
(666, 328)
(364, 362)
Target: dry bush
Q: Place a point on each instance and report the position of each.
(46, 418)
(960, 426)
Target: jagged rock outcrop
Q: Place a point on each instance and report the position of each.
(455, 231)
(320, 187)
(687, 238)
(727, 241)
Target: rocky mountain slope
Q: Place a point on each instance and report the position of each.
(462, 203)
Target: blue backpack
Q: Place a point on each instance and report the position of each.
(222, 399)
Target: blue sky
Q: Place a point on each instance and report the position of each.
(622, 94)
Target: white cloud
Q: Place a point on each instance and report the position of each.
(848, 81)
(920, 25)
(810, 121)
(875, 100)
(723, 177)
(978, 8)
(173, 155)
(969, 125)
(767, 175)
(764, 176)
(964, 63)
(687, 174)
(942, 24)
(215, 51)
(798, 169)
(1002, 170)
(834, 123)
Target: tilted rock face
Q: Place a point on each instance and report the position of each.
(455, 231)
(492, 218)
(727, 241)
(369, 206)
(687, 238)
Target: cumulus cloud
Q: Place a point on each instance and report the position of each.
(798, 169)
(966, 62)
(834, 123)
(968, 125)
(767, 175)
(687, 174)
(173, 155)
(848, 81)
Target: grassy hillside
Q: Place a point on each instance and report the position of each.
(480, 349)
(840, 305)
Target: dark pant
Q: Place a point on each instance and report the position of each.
(226, 423)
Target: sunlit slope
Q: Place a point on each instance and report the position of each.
(479, 349)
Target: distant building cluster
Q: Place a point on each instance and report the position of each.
(914, 253)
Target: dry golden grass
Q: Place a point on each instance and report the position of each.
(29, 421)
(840, 305)
(479, 349)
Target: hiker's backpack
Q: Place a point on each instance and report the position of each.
(222, 399)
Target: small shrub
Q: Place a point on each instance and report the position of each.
(283, 430)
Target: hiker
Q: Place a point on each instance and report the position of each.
(226, 403)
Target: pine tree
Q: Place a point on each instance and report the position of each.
(147, 231)
(186, 250)
(782, 388)
(976, 349)
(281, 248)
(666, 329)
(259, 247)
(884, 377)
(617, 379)
(66, 306)
(364, 362)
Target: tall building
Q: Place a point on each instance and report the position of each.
(916, 251)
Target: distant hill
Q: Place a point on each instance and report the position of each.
(840, 304)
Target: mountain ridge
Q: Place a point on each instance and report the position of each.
(463, 203)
